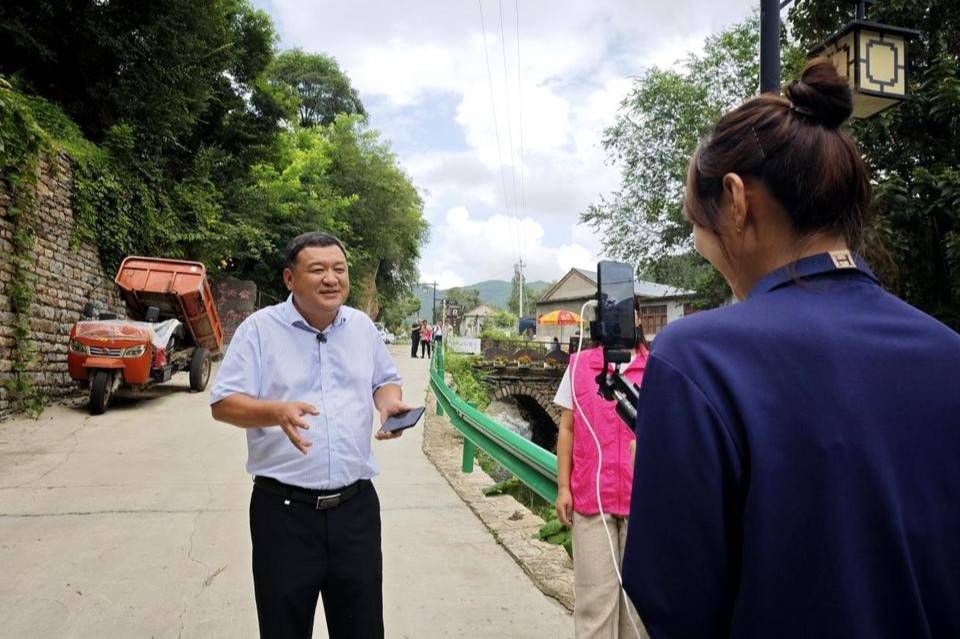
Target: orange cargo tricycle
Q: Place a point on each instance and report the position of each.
(173, 326)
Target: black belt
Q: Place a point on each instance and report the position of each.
(319, 499)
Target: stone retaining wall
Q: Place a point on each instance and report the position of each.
(65, 279)
(235, 300)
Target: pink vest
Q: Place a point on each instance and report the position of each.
(616, 476)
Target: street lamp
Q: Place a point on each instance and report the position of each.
(872, 56)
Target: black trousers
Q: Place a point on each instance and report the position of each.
(300, 552)
(413, 348)
(425, 348)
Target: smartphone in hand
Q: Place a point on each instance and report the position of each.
(402, 421)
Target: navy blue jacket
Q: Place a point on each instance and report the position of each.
(798, 467)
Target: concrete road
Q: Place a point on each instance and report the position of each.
(134, 524)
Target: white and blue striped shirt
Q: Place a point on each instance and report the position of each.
(276, 355)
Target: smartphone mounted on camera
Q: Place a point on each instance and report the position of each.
(616, 330)
(616, 325)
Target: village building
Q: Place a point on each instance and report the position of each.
(659, 304)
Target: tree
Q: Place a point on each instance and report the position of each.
(393, 313)
(292, 195)
(656, 131)
(501, 325)
(385, 225)
(688, 270)
(323, 89)
(467, 298)
(913, 152)
(157, 64)
(341, 179)
(505, 320)
(199, 151)
(171, 92)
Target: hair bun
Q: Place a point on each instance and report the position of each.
(822, 94)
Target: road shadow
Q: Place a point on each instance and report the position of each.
(125, 400)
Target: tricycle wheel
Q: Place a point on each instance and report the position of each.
(101, 388)
(199, 369)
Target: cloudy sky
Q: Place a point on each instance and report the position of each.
(421, 67)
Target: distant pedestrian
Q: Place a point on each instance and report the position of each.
(426, 335)
(415, 339)
(438, 335)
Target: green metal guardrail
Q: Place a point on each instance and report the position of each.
(534, 466)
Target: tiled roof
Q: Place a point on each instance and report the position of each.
(644, 288)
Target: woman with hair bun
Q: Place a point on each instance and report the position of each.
(797, 471)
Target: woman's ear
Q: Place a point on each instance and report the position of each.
(735, 200)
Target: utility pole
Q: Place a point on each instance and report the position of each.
(519, 270)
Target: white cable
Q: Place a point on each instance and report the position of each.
(596, 440)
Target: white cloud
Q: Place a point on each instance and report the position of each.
(575, 66)
(446, 279)
(478, 249)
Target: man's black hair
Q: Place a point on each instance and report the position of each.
(311, 238)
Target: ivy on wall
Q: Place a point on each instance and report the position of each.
(114, 209)
(22, 142)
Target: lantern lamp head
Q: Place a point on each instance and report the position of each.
(873, 58)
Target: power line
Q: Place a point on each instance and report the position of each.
(506, 97)
(523, 188)
(496, 128)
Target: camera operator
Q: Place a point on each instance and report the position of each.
(600, 610)
(797, 453)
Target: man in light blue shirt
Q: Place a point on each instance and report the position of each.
(302, 378)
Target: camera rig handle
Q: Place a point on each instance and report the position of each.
(615, 387)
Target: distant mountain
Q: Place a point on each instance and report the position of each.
(492, 292)
(497, 292)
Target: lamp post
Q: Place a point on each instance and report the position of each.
(770, 45)
(872, 56)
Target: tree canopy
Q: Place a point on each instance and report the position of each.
(324, 90)
(194, 138)
(657, 128)
(467, 298)
(913, 151)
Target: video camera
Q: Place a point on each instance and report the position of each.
(616, 330)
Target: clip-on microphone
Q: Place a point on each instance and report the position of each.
(321, 338)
